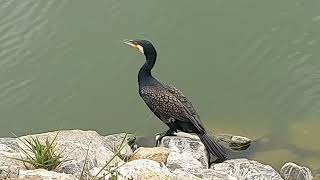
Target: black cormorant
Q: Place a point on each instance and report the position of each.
(169, 104)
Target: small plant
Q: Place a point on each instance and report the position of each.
(111, 169)
(41, 155)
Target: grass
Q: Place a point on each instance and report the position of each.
(40, 155)
(110, 169)
(45, 156)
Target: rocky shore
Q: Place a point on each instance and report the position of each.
(177, 158)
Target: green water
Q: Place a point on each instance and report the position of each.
(250, 68)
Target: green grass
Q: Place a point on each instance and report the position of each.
(40, 155)
(45, 156)
(112, 170)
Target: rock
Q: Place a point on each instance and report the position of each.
(45, 175)
(239, 142)
(186, 153)
(94, 173)
(8, 159)
(114, 142)
(234, 142)
(210, 174)
(182, 175)
(206, 174)
(11, 143)
(144, 141)
(158, 154)
(9, 172)
(143, 169)
(247, 169)
(29, 178)
(5, 148)
(74, 144)
(291, 171)
(183, 161)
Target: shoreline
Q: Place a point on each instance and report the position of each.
(179, 157)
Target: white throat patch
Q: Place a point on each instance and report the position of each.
(140, 48)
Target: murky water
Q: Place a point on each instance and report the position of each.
(250, 68)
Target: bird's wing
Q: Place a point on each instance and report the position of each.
(181, 97)
(162, 102)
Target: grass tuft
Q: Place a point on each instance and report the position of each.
(40, 155)
(110, 169)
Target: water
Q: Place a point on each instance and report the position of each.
(250, 68)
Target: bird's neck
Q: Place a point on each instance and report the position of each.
(145, 75)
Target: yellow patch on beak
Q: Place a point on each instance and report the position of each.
(131, 44)
(134, 45)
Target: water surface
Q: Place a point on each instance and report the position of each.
(250, 67)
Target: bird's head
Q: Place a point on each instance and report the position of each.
(143, 46)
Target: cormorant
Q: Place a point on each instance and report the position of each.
(169, 104)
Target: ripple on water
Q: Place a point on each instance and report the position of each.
(20, 21)
(21, 24)
(316, 19)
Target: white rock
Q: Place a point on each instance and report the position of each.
(74, 144)
(247, 169)
(183, 175)
(5, 148)
(45, 175)
(184, 161)
(11, 143)
(291, 171)
(143, 169)
(8, 159)
(210, 174)
(9, 172)
(186, 153)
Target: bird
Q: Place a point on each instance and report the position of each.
(169, 104)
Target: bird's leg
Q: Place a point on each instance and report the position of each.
(159, 136)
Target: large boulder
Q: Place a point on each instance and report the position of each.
(79, 147)
(247, 169)
(291, 171)
(186, 153)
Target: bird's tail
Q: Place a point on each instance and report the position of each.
(213, 147)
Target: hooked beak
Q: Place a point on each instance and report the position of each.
(130, 43)
(134, 45)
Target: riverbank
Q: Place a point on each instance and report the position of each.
(89, 154)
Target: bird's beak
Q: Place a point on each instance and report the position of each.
(130, 43)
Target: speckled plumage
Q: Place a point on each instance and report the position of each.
(169, 104)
